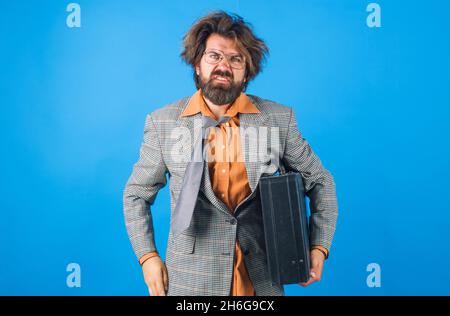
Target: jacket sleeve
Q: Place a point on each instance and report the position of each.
(147, 178)
(319, 185)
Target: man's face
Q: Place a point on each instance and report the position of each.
(222, 82)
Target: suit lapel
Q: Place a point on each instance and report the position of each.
(250, 130)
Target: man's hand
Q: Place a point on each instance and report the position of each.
(317, 261)
(155, 276)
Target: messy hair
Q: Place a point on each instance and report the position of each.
(230, 26)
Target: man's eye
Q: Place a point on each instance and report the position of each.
(236, 59)
(214, 56)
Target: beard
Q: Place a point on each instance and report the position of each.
(220, 93)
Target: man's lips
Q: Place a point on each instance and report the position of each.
(221, 79)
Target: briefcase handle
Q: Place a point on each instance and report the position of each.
(281, 168)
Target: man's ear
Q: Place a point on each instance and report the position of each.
(197, 70)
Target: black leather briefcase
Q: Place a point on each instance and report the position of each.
(285, 227)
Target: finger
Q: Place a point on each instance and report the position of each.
(305, 284)
(310, 280)
(165, 279)
(160, 285)
(151, 289)
(316, 272)
(318, 276)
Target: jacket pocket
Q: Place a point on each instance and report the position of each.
(183, 244)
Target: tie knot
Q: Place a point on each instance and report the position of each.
(210, 122)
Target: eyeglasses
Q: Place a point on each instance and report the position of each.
(214, 57)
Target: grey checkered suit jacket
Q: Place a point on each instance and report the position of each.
(200, 260)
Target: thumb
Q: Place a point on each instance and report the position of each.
(165, 279)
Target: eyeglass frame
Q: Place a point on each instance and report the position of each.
(227, 56)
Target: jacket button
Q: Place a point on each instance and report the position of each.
(233, 221)
(246, 251)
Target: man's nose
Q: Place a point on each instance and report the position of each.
(224, 64)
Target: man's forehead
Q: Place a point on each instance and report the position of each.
(223, 44)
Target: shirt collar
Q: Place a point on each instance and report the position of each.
(197, 104)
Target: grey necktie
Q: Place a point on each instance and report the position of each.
(184, 207)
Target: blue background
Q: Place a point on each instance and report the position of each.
(373, 102)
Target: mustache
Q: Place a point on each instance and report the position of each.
(225, 74)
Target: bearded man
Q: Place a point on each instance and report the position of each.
(216, 241)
